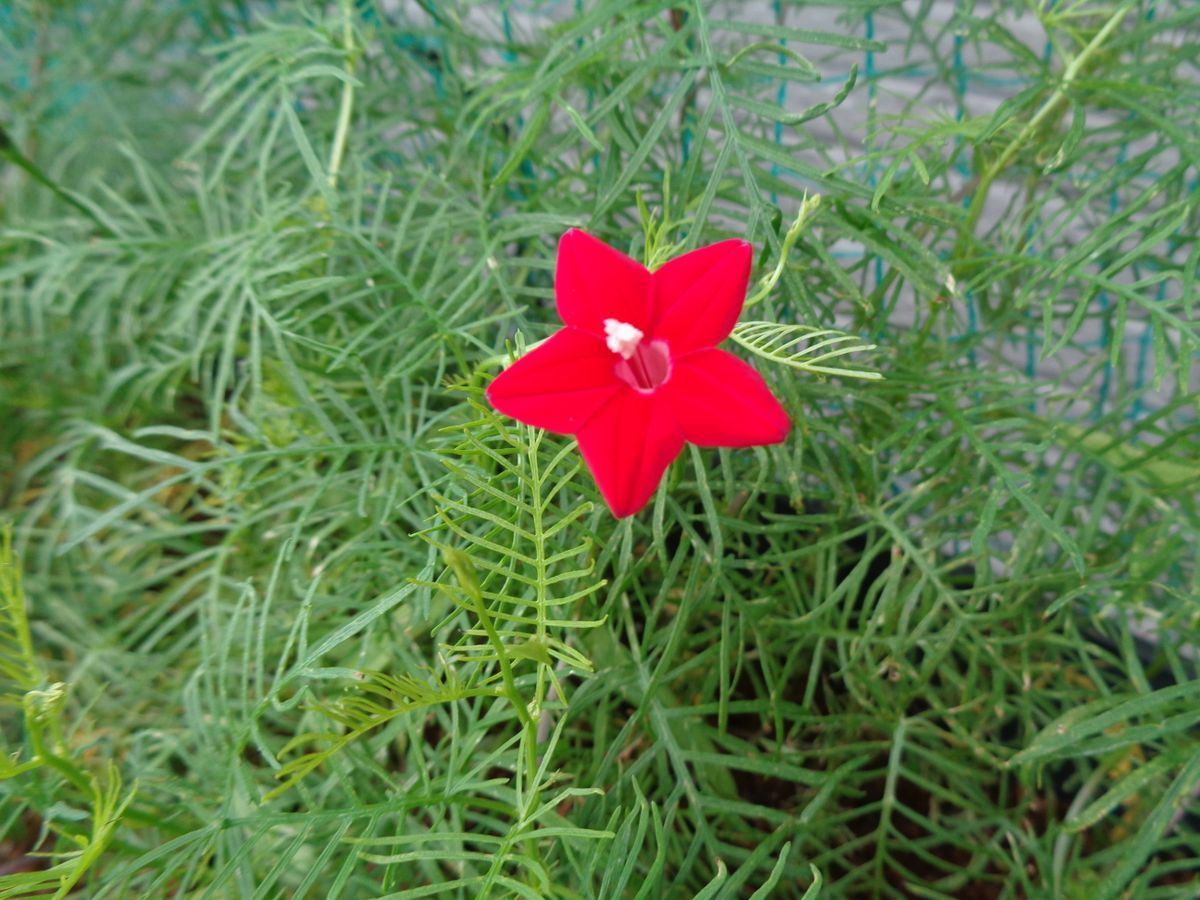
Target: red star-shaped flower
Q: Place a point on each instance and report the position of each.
(636, 373)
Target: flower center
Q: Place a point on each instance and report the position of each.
(644, 365)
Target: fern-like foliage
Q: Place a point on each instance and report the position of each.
(517, 575)
(228, 327)
(804, 347)
(520, 567)
(376, 700)
(69, 867)
(19, 671)
(21, 684)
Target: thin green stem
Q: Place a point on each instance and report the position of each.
(532, 724)
(506, 672)
(540, 611)
(12, 594)
(60, 764)
(808, 209)
(9, 151)
(346, 110)
(1001, 163)
(979, 200)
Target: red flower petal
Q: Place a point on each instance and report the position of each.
(628, 445)
(699, 296)
(559, 385)
(594, 282)
(720, 401)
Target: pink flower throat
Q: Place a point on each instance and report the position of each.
(643, 365)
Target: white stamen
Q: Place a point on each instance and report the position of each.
(622, 337)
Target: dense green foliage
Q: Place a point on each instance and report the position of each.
(306, 618)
